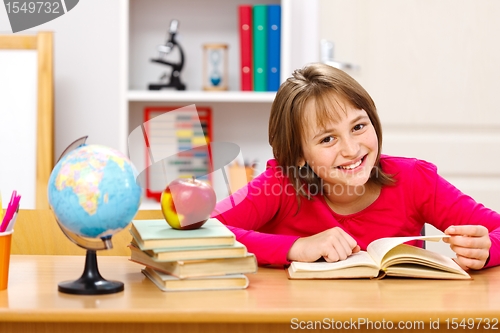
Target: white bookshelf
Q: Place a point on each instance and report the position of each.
(239, 117)
(200, 96)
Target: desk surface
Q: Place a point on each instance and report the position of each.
(32, 296)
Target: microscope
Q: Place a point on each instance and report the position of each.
(164, 50)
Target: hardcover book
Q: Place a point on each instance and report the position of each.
(384, 257)
(203, 252)
(195, 268)
(151, 234)
(168, 282)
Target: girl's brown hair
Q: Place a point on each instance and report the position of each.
(325, 85)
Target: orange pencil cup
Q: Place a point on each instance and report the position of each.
(5, 241)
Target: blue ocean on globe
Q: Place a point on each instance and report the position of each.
(93, 191)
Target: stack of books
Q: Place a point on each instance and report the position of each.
(260, 46)
(207, 258)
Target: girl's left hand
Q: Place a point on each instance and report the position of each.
(471, 243)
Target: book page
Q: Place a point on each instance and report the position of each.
(379, 248)
(418, 271)
(407, 258)
(410, 254)
(361, 258)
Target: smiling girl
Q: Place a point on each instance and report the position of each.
(329, 191)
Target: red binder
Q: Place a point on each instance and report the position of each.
(245, 27)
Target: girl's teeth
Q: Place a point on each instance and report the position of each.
(352, 166)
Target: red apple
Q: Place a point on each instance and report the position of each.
(186, 203)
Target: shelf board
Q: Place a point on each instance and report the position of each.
(200, 96)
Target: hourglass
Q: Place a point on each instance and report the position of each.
(215, 67)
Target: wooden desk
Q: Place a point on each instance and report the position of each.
(271, 302)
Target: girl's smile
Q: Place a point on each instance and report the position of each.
(352, 166)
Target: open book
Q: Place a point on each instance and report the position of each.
(384, 257)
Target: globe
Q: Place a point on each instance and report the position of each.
(93, 194)
(93, 191)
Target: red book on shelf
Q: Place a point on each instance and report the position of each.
(245, 27)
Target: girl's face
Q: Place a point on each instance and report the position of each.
(344, 150)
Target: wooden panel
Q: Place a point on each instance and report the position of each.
(145, 327)
(37, 232)
(45, 122)
(18, 42)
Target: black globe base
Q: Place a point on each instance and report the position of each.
(91, 282)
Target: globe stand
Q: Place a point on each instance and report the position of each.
(91, 282)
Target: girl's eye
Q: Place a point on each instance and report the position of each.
(358, 127)
(328, 139)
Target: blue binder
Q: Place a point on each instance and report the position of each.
(273, 47)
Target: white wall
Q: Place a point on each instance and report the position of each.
(87, 66)
(432, 68)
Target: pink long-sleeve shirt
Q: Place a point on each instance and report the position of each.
(264, 215)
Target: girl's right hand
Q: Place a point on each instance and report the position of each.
(333, 244)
